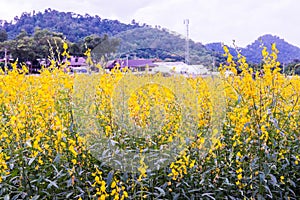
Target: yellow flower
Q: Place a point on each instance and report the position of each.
(239, 176)
(97, 180)
(240, 170)
(72, 149)
(74, 161)
(103, 187)
(125, 194)
(103, 197)
(192, 164)
(113, 184)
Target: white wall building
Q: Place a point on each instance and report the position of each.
(180, 68)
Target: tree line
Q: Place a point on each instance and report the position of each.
(45, 44)
(73, 26)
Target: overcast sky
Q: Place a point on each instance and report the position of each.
(210, 20)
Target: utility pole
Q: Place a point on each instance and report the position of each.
(213, 65)
(5, 57)
(187, 53)
(127, 55)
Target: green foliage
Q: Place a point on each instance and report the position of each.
(30, 48)
(160, 43)
(102, 47)
(292, 68)
(3, 35)
(44, 156)
(137, 40)
(287, 52)
(72, 25)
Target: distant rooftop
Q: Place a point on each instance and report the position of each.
(132, 63)
(77, 61)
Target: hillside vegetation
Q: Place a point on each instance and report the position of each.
(288, 53)
(160, 43)
(140, 40)
(73, 26)
(136, 40)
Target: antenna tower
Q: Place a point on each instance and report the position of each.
(187, 53)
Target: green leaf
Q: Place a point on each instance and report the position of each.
(208, 195)
(80, 190)
(269, 191)
(176, 196)
(161, 191)
(273, 179)
(194, 190)
(51, 183)
(260, 197)
(69, 195)
(292, 183)
(36, 197)
(57, 158)
(109, 177)
(7, 197)
(262, 177)
(31, 160)
(17, 196)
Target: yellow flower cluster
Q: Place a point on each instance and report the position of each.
(180, 167)
(262, 113)
(100, 185)
(142, 169)
(35, 121)
(118, 190)
(256, 141)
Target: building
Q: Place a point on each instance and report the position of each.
(180, 68)
(136, 65)
(78, 64)
(76, 61)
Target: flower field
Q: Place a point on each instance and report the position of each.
(123, 136)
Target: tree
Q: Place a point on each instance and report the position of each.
(102, 47)
(22, 34)
(3, 35)
(72, 25)
(24, 49)
(74, 49)
(30, 48)
(44, 40)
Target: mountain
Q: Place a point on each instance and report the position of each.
(218, 47)
(72, 25)
(160, 43)
(287, 52)
(217, 51)
(138, 40)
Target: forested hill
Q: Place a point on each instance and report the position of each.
(288, 53)
(151, 42)
(140, 40)
(72, 25)
(136, 39)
